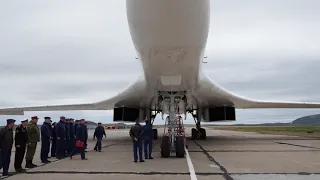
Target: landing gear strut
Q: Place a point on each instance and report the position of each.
(198, 132)
(174, 138)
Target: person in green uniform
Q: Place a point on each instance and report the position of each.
(33, 139)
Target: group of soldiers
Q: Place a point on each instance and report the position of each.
(66, 137)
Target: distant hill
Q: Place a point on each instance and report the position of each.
(115, 124)
(91, 123)
(265, 124)
(308, 120)
(311, 120)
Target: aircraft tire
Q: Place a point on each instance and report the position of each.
(179, 147)
(194, 134)
(165, 147)
(203, 134)
(155, 133)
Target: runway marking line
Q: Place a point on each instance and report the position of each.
(226, 174)
(190, 165)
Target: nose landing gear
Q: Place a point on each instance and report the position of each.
(174, 139)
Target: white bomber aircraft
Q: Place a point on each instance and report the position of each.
(170, 38)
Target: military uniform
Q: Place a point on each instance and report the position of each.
(61, 137)
(75, 127)
(6, 142)
(33, 139)
(72, 141)
(99, 133)
(21, 139)
(67, 142)
(54, 141)
(80, 136)
(136, 135)
(147, 140)
(45, 140)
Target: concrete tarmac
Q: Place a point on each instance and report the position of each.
(225, 155)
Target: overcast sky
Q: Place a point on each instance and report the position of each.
(61, 52)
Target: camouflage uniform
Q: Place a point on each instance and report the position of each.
(33, 139)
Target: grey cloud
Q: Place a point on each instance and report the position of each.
(270, 27)
(75, 66)
(58, 52)
(75, 91)
(298, 81)
(82, 91)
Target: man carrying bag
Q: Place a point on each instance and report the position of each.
(80, 139)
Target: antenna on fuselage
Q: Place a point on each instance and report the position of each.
(205, 62)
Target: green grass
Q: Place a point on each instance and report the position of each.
(307, 131)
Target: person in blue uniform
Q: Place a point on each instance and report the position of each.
(6, 137)
(53, 140)
(77, 122)
(72, 142)
(99, 132)
(61, 137)
(147, 139)
(136, 134)
(80, 136)
(67, 143)
(45, 140)
(51, 128)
